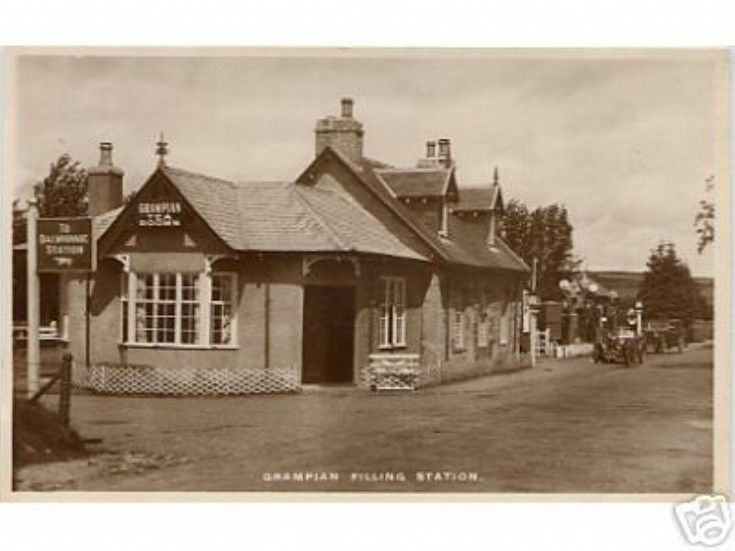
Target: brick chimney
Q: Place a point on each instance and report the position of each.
(343, 133)
(104, 183)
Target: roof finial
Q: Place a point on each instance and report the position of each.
(495, 176)
(161, 150)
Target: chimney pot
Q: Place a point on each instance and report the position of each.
(445, 152)
(430, 149)
(445, 148)
(347, 104)
(105, 154)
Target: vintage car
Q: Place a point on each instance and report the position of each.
(663, 335)
(623, 346)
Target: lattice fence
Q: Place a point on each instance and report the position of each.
(140, 379)
(395, 372)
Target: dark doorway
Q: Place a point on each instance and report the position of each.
(329, 333)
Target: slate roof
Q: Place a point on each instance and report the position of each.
(470, 247)
(415, 182)
(214, 199)
(295, 217)
(286, 217)
(477, 198)
(462, 247)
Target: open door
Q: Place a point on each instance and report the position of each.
(329, 334)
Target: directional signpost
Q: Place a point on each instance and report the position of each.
(65, 245)
(55, 245)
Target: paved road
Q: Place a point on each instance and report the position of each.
(568, 426)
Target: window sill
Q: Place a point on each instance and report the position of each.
(392, 346)
(172, 346)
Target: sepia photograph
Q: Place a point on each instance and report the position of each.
(365, 271)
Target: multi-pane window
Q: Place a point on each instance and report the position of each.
(189, 308)
(392, 312)
(483, 328)
(223, 286)
(458, 340)
(166, 308)
(156, 297)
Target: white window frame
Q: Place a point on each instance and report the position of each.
(483, 330)
(392, 324)
(232, 302)
(204, 329)
(458, 329)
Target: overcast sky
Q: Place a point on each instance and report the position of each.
(625, 143)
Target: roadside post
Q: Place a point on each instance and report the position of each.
(33, 350)
(65, 389)
(62, 246)
(533, 309)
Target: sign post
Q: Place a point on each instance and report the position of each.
(33, 350)
(58, 245)
(533, 309)
(65, 245)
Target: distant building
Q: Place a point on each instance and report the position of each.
(210, 286)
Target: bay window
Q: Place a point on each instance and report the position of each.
(168, 308)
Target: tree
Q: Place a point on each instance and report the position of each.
(64, 191)
(544, 234)
(704, 222)
(19, 223)
(515, 225)
(668, 289)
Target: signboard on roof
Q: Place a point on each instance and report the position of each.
(65, 245)
(159, 214)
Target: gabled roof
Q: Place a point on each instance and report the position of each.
(293, 217)
(477, 198)
(283, 217)
(469, 247)
(365, 174)
(352, 227)
(462, 248)
(416, 182)
(214, 199)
